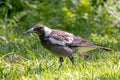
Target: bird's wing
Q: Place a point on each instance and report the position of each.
(60, 37)
(64, 38)
(85, 45)
(77, 41)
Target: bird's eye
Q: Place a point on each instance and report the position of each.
(38, 28)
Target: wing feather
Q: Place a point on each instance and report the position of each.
(80, 42)
(60, 37)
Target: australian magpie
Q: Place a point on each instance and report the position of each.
(61, 43)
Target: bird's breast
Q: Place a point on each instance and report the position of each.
(47, 44)
(60, 51)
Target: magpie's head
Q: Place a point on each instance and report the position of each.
(39, 29)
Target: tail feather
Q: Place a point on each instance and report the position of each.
(105, 48)
(89, 48)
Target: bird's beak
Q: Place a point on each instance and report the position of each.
(30, 31)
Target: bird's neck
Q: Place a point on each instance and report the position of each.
(42, 37)
(47, 31)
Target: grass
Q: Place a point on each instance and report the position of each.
(98, 67)
(26, 60)
(22, 57)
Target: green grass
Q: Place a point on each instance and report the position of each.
(22, 57)
(99, 66)
(27, 59)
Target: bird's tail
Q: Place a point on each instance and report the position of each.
(102, 47)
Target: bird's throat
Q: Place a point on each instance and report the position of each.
(42, 38)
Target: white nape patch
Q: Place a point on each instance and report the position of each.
(47, 31)
(54, 41)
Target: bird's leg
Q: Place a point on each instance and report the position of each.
(71, 59)
(61, 61)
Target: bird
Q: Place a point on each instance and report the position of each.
(62, 43)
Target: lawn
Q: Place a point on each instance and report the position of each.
(22, 57)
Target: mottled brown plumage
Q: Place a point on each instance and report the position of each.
(61, 43)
